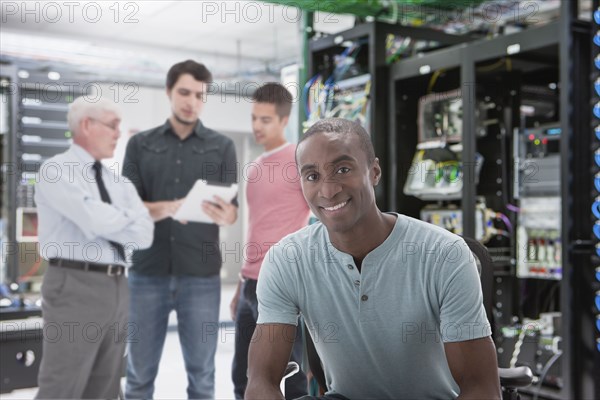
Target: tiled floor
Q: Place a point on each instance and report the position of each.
(172, 381)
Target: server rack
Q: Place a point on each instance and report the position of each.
(373, 60)
(39, 101)
(565, 43)
(42, 132)
(9, 79)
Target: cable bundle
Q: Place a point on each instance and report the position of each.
(596, 203)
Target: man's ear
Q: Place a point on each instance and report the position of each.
(84, 125)
(375, 172)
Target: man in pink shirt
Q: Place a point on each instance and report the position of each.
(276, 208)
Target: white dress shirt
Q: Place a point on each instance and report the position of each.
(74, 222)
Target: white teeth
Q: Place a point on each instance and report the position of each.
(337, 207)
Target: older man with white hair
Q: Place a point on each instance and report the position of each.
(88, 218)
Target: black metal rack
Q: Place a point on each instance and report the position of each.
(374, 62)
(461, 61)
(566, 44)
(9, 174)
(40, 131)
(593, 273)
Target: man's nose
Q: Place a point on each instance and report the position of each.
(329, 188)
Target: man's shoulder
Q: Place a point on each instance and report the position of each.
(313, 233)
(60, 167)
(57, 159)
(419, 228)
(214, 136)
(60, 160)
(282, 157)
(147, 134)
(289, 152)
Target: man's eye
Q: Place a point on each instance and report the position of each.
(311, 177)
(343, 170)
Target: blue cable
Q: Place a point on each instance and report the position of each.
(596, 204)
(305, 93)
(596, 210)
(328, 86)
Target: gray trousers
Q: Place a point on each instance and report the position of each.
(85, 330)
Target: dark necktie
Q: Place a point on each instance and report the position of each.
(106, 198)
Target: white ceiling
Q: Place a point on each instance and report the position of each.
(230, 37)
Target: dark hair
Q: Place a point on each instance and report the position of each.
(275, 93)
(343, 126)
(197, 70)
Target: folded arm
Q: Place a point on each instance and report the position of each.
(140, 231)
(160, 210)
(120, 223)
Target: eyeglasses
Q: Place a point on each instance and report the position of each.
(114, 127)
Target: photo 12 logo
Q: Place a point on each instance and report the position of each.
(69, 12)
(57, 92)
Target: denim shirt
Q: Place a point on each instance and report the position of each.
(163, 167)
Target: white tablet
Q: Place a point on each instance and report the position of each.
(191, 209)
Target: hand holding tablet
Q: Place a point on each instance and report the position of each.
(192, 211)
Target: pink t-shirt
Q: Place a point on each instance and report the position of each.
(275, 202)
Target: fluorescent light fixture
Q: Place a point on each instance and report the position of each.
(53, 76)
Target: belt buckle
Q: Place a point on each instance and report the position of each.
(110, 271)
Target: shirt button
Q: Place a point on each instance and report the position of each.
(178, 161)
(172, 238)
(350, 266)
(180, 144)
(176, 180)
(357, 282)
(364, 297)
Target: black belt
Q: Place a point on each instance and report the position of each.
(108, 269)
